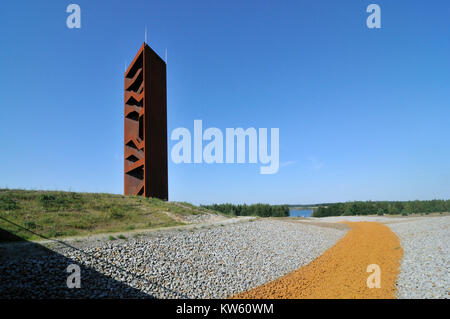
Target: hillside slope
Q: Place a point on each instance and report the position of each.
(51, 214)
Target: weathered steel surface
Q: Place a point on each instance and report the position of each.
(145, 154)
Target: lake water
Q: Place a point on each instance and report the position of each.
(300, 212)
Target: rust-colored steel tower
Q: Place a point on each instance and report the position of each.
(146, 126)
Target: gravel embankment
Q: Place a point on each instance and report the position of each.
(425, 267)
(214, 262)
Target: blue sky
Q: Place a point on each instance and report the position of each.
(363, 114)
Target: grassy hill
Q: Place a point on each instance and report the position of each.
(52, 214)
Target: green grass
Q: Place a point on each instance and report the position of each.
(55, 214)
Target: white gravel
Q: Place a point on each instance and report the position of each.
(214, 262)
(425, 267)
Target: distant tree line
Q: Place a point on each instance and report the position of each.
(383, 207)
(263, 210)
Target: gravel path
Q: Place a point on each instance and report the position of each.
(425, 266)
(213, 262)
(340, 272)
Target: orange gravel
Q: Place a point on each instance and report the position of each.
(341, 272)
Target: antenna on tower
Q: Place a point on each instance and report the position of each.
(166, 56)
(145, 34)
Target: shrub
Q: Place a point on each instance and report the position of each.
(7, 203)
(61, 201)
(115, 213)
(51, 202)
(348, 212)
(30, 224)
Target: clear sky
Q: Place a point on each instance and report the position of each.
(364, 114)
